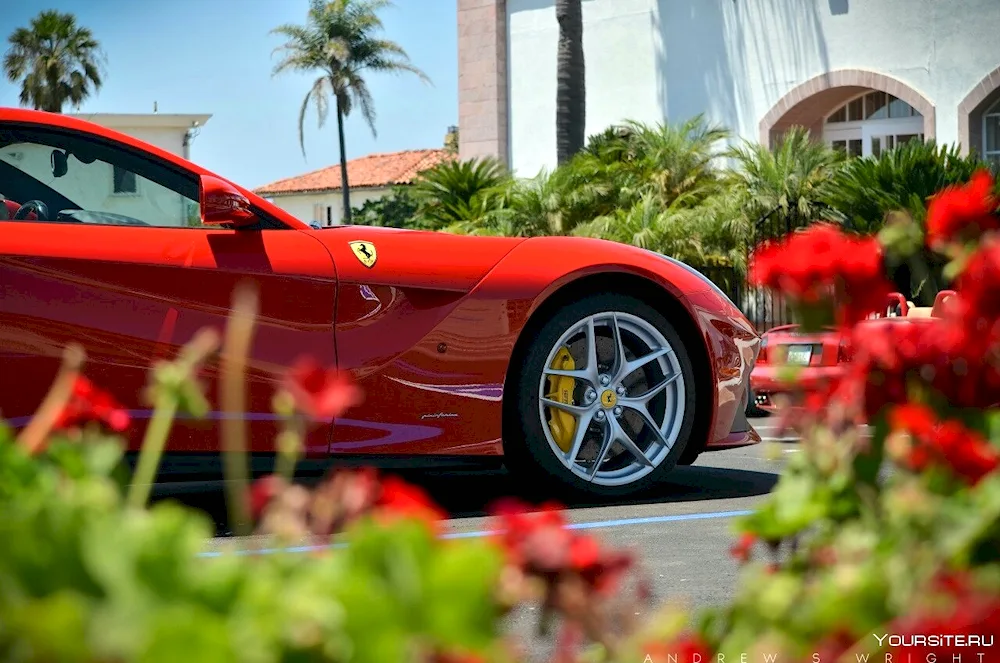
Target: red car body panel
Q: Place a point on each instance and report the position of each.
(428, 331)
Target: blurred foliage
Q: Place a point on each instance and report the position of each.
(396, 210)
(865, 191)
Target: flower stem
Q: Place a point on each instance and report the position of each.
(235, 353)
(33, 437)
(289, 446)
(153, 443)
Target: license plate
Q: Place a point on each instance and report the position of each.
(799, 355)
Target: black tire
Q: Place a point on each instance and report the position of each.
(527, 452)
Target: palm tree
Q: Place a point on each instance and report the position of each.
(571, 93)
(783, 188)
(457, 192)
(340, 42)
(56, 61)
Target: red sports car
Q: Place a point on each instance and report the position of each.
(821, 355)
(598, 365)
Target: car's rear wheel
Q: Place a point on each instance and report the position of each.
(605, 398)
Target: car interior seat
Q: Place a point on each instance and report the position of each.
(943, 300)
(941, 303)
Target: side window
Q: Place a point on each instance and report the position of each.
(61, 177)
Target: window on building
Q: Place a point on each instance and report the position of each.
(329, 215)
(871, 124)
(991, 134)
(123, 182)
(874, 105)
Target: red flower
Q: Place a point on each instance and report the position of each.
(399, 499)
(540, 544)
(968, 454)
(740, 550)
(977, 308)
(822, 264)
(262, 492)
(953, 607)
(322, 394)
(962, 212)
(88, 403)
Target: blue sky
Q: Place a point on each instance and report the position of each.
(214, 56)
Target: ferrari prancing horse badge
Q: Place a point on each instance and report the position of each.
(365, 252)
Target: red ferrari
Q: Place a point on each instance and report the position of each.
(821, 356)
(595, 364)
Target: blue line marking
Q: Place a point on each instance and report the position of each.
(477, 534)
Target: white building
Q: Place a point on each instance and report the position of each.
(316, 196)
(97, 185)
(172, 132)
(860, 74)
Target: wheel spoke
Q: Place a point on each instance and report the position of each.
(579, 374)
(578, 410)
(650, 394)
(609, 439)
(616, 333)
(582, 424)
(636, 364)
(630, 445)
(648, 420)
(591, 369)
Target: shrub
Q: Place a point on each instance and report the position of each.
(397, 210)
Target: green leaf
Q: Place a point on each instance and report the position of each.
(461, 607)
(190, 634)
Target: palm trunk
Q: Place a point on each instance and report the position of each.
(571, 96)
(343, 164)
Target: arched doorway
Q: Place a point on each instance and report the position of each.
(871, 123)
(979, 119)
(873, 106)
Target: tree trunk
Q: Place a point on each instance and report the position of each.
(571, 95)
(343, 164)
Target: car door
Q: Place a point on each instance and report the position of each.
(118, 261)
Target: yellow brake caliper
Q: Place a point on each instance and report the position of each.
(560, 389)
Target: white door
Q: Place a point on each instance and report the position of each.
(882, 135)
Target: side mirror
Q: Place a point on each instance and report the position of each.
(223, 204)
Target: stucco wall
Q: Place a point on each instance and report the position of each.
(303, 206)
(735, 59)
(170, 139)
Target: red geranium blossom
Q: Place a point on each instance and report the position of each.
(687, 648)
(822, 263)
(953, 606)
(262, 492)
(319, 393)
(890, 355)
(948, 443)
(88, 403)
(961, 213)
(740, 551)
(398, 498)
(541, 544)
(977, 308)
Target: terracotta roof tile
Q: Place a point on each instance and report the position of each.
(372, 171)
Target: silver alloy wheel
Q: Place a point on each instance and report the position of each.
(628, 401)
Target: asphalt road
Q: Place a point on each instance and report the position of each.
(682, 531)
